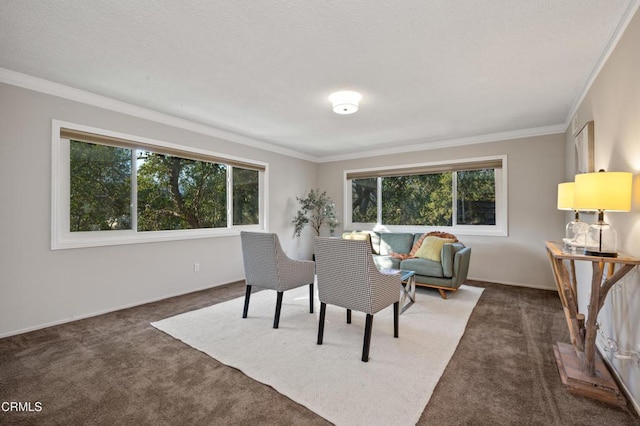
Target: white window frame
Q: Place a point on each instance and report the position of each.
(501, 228)
(62, 238)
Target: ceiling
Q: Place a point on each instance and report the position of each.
(430, 72)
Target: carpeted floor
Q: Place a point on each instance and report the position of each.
(118, 369)
(393, 387)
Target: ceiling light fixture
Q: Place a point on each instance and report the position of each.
(345, 102)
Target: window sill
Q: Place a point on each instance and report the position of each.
(114, 238)
(487, 231)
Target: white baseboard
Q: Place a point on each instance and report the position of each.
(539, 287)
(106, 311)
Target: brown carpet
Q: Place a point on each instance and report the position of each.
(117, 369)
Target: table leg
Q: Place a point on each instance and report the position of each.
(408, 292)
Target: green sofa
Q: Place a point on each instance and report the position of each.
(446, 275)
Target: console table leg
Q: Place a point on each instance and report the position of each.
(581, 367)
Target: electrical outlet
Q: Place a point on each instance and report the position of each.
(196, 267)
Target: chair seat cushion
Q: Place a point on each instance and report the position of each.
(426, 267)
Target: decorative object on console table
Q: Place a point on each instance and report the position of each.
(576, 230)
(584, 149)
(602, 191)
(581, 369)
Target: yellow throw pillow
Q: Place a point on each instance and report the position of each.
(431, 248)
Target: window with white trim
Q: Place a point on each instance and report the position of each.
(110, 188)
(464, 197)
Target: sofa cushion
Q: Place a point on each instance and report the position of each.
(417, 242)
(423, 267)
(395, 242)
(431, 248)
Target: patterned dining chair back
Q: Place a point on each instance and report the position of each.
(347, 277)
(266, 265)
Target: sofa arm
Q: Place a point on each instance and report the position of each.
(447, 258)
(461, 262)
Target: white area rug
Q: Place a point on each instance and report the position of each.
(391, 389)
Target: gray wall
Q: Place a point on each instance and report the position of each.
(535, 167)
(40, 287)
(613, 103)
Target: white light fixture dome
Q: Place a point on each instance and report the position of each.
(345, 102)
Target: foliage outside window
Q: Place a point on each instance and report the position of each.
(364, 200)
(119, 194)
(476, 197)
(178, 193)
(246, 208)
(417, 200)
(469, 201)
(100, 181)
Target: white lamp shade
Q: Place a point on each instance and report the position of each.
(609, 191)
(345, 102)
(565, 195)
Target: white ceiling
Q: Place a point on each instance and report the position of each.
(429, 70)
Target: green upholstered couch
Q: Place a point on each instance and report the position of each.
(448, 274)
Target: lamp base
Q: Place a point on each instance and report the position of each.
(602, 239)
(600, 253)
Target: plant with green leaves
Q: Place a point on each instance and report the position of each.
(316, 210)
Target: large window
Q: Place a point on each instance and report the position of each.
(467, 197)
(114, 189)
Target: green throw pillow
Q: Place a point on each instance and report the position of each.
(431, 248)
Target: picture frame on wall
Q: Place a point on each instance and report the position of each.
(584, 149)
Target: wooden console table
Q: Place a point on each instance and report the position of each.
(581, 368)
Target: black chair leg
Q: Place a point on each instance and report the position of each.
(323, 309)
(367, 338)
(311, 298)
(247, 295)
(396, 317)
(348, 316)
(276, 319)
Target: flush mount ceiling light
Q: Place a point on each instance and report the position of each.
(345, 102)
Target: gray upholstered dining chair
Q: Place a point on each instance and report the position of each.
(266, 265)
(347, 277)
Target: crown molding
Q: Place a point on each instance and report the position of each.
(66, 92)
(625, 18)
(448, 143)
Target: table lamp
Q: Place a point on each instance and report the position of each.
(576, 230)
(610, 191)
